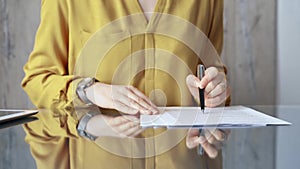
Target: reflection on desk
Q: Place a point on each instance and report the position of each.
(54, 142)
(16, 122)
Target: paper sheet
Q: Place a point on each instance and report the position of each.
(221, 117)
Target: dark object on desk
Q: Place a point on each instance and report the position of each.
(8, 115)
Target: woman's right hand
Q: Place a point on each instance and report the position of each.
(126, 99)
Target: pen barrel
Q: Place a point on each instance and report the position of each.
(201, 97)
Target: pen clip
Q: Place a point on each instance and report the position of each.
(200, 71)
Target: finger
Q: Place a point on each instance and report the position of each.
(210, 74)
(210, 150)
(143, 100)
(216, 137)
(226, 133)
(192, 132)
(131, 131)
(193, 81)
(127, 97)
(193, 139)
(209, 137)
(132, 118)
(122, 124)
(218, 100)
(220, 78)
(193, 84)
(125, 127)
(219, 89)
(192, 142)
(219, 135)
(116, 121)
(123, 95)
(125, 108)
(136, 100)
(137, 132)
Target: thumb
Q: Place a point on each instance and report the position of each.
(192, 81)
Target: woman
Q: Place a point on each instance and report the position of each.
(140, 59)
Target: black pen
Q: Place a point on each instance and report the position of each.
(200, 74)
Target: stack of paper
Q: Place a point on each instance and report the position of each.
(221, 117)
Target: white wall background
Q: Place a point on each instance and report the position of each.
(288, 138)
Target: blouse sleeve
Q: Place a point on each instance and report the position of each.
(47, 80)
(212, 50)
(216, 34)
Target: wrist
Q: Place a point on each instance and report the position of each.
(98, 126)
(90, 93)
(100, 94)
(81, 90)
(83, 124)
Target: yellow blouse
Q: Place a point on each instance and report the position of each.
(113, 42)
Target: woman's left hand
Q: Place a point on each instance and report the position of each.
(215, 84)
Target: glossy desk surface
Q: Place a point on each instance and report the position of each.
(241, 142)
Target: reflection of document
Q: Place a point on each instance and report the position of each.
(221, 117)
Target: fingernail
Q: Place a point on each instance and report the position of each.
(201, 85)
(198, 84)
(213, 154)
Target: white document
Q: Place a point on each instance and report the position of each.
(221, 117)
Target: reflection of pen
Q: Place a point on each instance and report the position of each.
(200, 74)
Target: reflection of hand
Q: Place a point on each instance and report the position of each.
(212, 141)
(108, 126)
(126, 99)
(215, 84)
